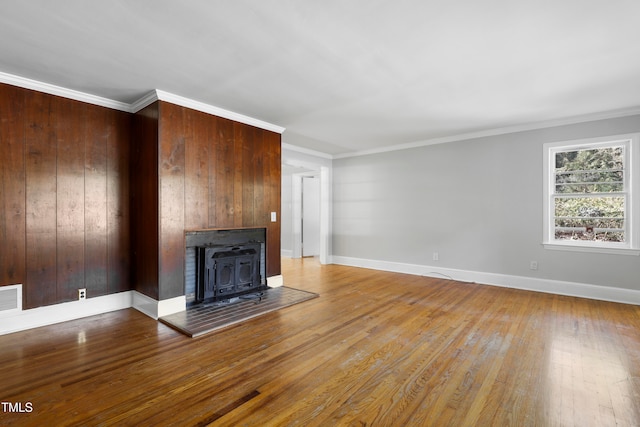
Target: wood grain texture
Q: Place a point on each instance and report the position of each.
(172, 207)
(144, 201)
(198, 130)
(376, 348)
(211, 173)
(67, 127)
(118, 141)
(272, 155)
(64, 175)
(223, 192)
(12, 186)
(96, 245)
(41, 178)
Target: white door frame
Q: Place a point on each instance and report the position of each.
(324, 175)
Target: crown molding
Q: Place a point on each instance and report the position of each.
(152, 96)
(62, 92)
(143, 102)
(497, 131)
(160, 95)
(307, 151)
(216, 111)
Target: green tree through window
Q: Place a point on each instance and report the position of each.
(589, 194)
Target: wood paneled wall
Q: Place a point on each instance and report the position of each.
(144, 201)
(64, 203)
(78, 204)
(209, 172)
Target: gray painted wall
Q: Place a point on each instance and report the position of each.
(460, 199)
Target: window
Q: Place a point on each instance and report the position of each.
(589, 194)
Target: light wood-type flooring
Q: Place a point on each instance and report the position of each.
(375, 349)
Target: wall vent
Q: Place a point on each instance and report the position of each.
(10, 299)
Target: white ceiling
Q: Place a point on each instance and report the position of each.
(341, 76)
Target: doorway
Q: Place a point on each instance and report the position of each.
(317, 220)
(310, 218)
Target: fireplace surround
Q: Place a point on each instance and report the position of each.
(221, 264)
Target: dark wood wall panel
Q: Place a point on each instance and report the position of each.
(172, 179)
(41, 178)
(93, 198)
(96, 243)
(224, 166)
(211, 173)
(198, 132)
(119, 273)
(68, 121)
(251, 162)
(144, 201)
(272, 198)
(239, 146)
(12, 186)
(62, 167)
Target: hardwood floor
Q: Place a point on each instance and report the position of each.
(375, 349)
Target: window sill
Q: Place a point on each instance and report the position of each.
(592, 249)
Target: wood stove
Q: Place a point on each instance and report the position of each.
(224, 264)
(227, 271)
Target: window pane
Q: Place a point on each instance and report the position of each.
(605, 181)
(590, 218)
(599, 170)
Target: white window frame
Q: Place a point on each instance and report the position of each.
(632, 208)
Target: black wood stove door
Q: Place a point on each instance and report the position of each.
(229, 271)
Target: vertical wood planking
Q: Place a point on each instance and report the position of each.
(145, 225)
(223, 193)
(70, 197)
(249, 165)
(196, 131)
(67, 221)
(213, 142)
(272, 185)
(260, 159)
(96, 134)
(172, 201)
(40, 167)
(55, 232)
(118, 202)
(239, 147)
(212, 173)
(12, 186)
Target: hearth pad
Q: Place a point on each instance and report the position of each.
(205, 318)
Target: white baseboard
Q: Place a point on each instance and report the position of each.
(172, 305)
(275, 281)
(583, 290)
(154, 308)
(20, 320)
(286, 253)
(15, 321)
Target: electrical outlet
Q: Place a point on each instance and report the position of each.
(436, 256)
(82, 294)
(533, 265)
